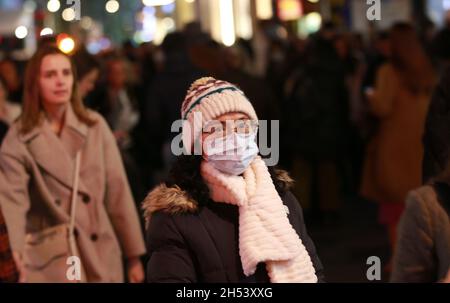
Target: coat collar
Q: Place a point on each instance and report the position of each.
(169, 199)
(174, 200)
(74, 124)
(71, 124)
(54, 154)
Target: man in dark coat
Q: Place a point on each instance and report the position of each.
(164, 98)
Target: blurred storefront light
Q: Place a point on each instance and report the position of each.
(29, 6)
(146, 20)
(105, 43)
(65, 43)
(243, 19)
(53, 5)
(86, 22)
(149, 10)
(227, 19)
(264, 9)
(289, 9)
(46, 31)
(313, 22)
(169, 24)
(112, 6)
(186, 12)
(227, 22)
(146, 36)
(437, 10)
(93, 47)
(168, 8)
(446, 4)
(21, 32)
(309, 24)
(68, 14)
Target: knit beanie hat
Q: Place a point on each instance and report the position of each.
(212, 98)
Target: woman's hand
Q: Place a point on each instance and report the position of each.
(135, 270)
(20, 266)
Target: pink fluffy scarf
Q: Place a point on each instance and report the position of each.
(265, 233)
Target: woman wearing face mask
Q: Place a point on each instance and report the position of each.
(37, 161)
(224, 216)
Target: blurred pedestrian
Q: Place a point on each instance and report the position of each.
(9, 111)
(165, 96)
(315, 127)
(423, 252)
(115, 99)
(436, 136)
(88, 71)
(257, 89)
(10, 73)
(400, 101)
(378, 56)
(38, 162)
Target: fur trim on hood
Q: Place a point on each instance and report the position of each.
(173, 200)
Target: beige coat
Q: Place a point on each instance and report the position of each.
(393, 164)
(38, 169)
(423, 245)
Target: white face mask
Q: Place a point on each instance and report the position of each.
(231, 154)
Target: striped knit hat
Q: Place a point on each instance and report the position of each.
(212, 98)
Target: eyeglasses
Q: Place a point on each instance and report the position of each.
(222, 128)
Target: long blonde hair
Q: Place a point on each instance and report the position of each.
(32, 103)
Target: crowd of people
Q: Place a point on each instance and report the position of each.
(364, 117)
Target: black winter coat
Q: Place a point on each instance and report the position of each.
(187, 243)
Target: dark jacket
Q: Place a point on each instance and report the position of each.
(8, 269)
(316, 111)
(166, 94)
(188, 243)
(3, 131)
(162, 106)
(437, 131)
(423, 247)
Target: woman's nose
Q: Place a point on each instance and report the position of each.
(60, 80)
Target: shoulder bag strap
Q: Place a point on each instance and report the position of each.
(73, 204)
